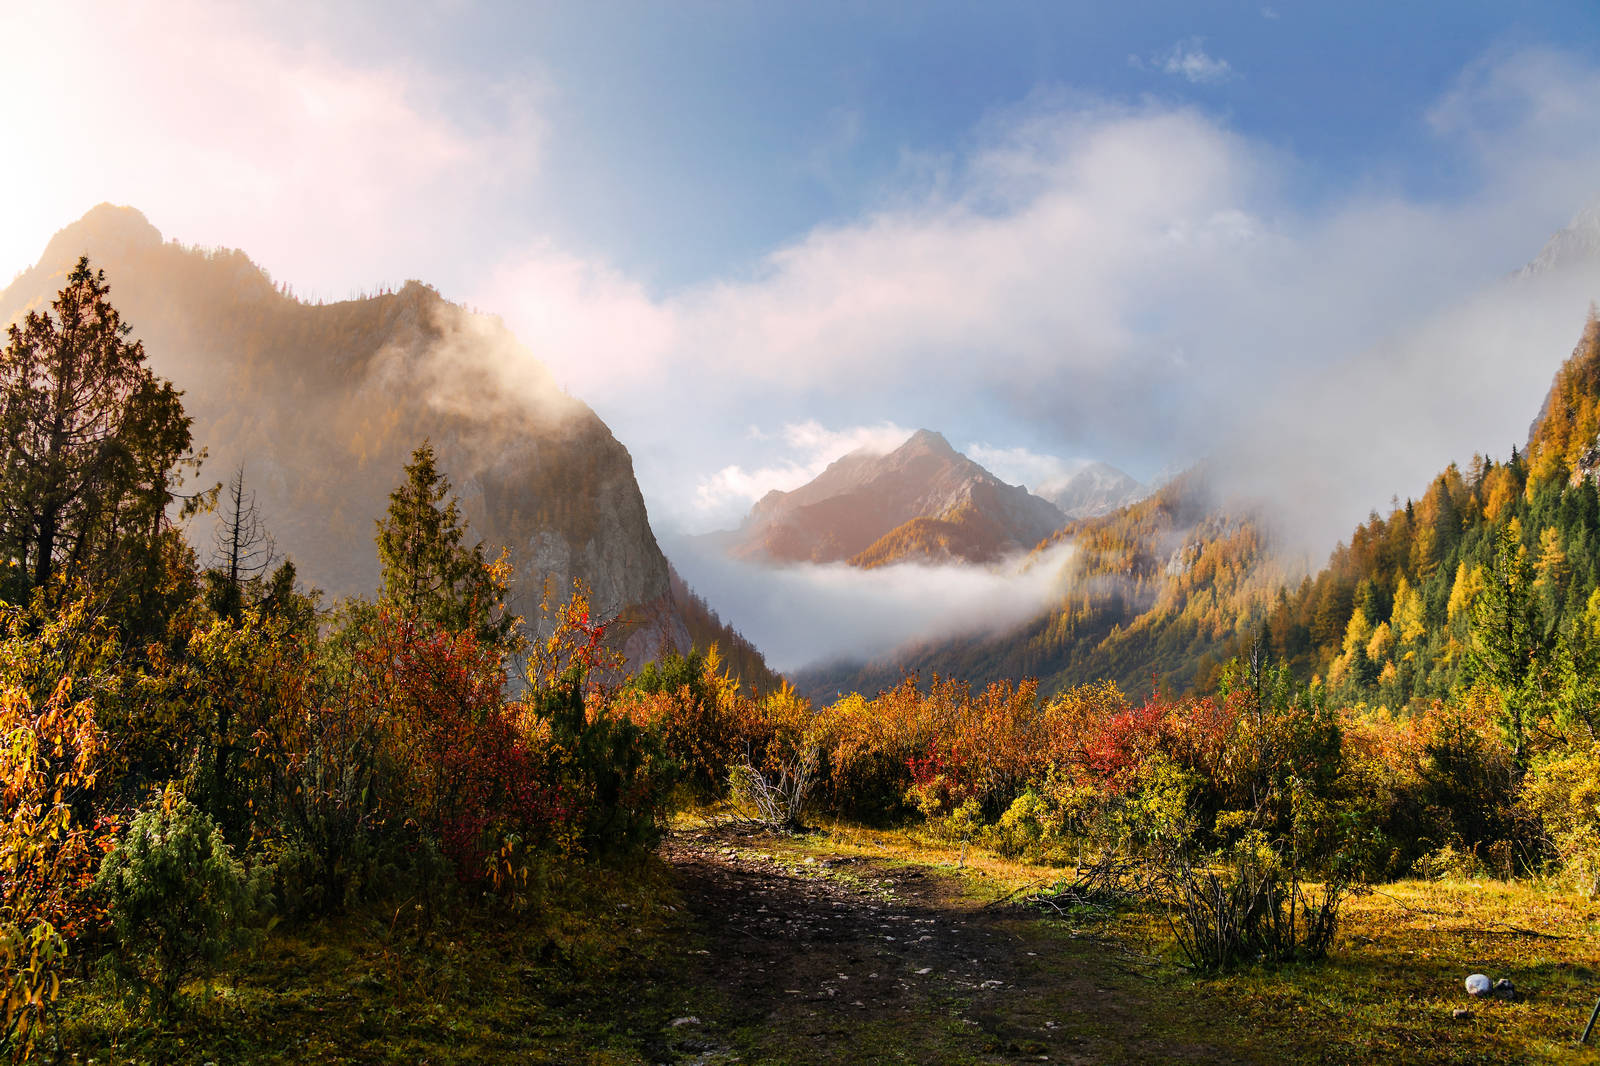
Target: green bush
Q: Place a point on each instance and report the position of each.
(179, 901)
(618, 771)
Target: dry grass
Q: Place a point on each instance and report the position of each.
(598, 974)
(1386, 993)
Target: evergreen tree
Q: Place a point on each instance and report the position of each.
(427, 570)
(1508, 649)
(92, 444)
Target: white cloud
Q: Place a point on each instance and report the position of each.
(1136, 277)
(221, 132)
(722, 498)
(1189, 60)
(1020, 466)
(799, 615)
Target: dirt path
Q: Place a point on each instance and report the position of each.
(843, 959)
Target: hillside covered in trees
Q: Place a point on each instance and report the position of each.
(1156, 593)
(1165, 590)
(1388, 621)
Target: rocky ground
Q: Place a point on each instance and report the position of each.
(845, 958)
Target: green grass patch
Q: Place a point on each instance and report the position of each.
(584, 977)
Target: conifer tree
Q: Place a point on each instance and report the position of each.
(92, 443)
(428, 572)
(1508, 646)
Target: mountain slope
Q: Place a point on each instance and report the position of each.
(322, 404)
(1574, 247)
(923, 501)
(1157, 592)
(1389, 620)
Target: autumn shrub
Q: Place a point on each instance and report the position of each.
(615, 772)
(50, 835)
(178, 899)
(1468, 787)
(867, 748)
(334, 789)
(464, 774)
(1248, 904)
(1562, 791)
(777, 776)
(1027, 828)
(699, 713)
(984, 747)
(236, 676)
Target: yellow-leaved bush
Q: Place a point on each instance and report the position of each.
(49, 757)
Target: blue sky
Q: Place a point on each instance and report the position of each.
(755, 235)
(759, 121)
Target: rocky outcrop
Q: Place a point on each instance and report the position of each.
(323, 403)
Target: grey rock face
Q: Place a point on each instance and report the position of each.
(323, 404)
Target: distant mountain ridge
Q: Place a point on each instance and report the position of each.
(923, 501)
(1153, 592)
(1095, 489)
(322, 404)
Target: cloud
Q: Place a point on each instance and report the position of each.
(722, 498)
(1019, 466)
(1190, 61)
(1136, 282)
(223, 130)
(1043, 264)
(807, 614)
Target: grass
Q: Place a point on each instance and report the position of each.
(583, 979)
(600, 970)
(1386, 993)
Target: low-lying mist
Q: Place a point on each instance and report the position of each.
(805, 614)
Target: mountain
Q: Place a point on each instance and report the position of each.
(924, 501)
(1096, 489)
(321, 404)
(1575, 246)
(1165, 590)
(1159, 592)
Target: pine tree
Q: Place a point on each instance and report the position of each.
(1508, 649)
(428, 572)
(92, 444)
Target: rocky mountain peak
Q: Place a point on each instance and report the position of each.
(926, 498)
(1575, 246)
(927, 442)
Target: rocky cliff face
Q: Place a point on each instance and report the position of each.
(923, 501)
(322, 405)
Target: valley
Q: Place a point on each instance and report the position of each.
(455, 765)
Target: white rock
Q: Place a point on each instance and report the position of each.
(1478, 985)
